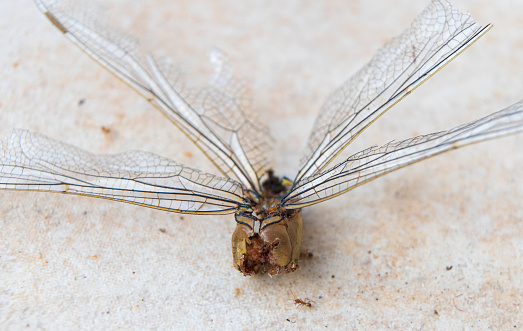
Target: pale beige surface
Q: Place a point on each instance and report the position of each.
(380, 252)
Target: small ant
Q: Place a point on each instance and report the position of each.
(302, 303)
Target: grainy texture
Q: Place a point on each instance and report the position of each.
(381, 252)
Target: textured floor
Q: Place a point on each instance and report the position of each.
(436, 245)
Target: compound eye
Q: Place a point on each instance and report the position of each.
(275, 235)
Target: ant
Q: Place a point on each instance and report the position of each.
(302, 303)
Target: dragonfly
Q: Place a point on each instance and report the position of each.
(217, 118)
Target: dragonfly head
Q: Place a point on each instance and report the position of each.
(267, 245)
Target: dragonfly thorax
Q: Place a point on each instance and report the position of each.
(268, 239)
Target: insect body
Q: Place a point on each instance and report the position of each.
(302, 303)
(217, 119)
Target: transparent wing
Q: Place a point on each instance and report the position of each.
(30, 161)
(215, 118)
(374, 162)
(436, 36)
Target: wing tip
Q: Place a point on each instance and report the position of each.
(55, 22)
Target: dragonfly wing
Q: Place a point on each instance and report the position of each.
(225, 106)
(375, 162)
(30, 161)
(218, 122)
(436, 36)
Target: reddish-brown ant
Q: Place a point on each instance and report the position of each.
(302, 303)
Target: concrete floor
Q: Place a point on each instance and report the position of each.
(438, 245)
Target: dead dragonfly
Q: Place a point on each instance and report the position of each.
(216, 118)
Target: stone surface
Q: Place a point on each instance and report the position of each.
(436, 245)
